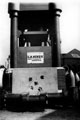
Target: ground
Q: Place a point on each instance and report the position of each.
(47, 114)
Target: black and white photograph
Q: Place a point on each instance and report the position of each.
(40, 60)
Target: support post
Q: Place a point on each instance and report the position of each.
(13, 11)
(55, 36)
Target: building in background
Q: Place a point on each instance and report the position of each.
(72, 58)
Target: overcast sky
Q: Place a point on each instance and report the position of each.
(69, 25)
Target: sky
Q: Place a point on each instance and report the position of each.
(69, 25)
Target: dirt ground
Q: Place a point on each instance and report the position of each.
(47, 114)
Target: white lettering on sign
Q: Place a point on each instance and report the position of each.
(35, 57)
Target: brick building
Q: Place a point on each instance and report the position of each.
(72, 58)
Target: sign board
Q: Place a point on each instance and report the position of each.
(35, 57)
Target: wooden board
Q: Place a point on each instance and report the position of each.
(22, 57)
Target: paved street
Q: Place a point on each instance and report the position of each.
(48, 114)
